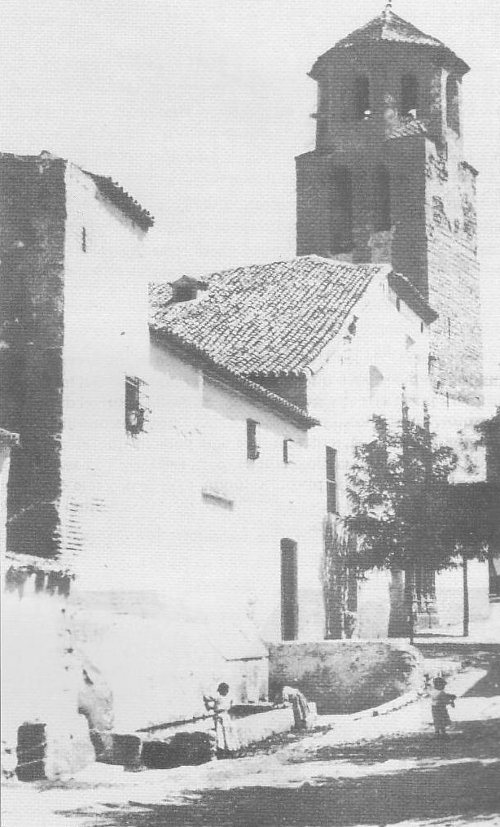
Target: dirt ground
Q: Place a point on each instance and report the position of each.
(382, 770)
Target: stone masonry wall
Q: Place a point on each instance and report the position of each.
(453, 277)
(32, 215)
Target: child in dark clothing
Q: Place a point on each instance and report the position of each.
(440, 700)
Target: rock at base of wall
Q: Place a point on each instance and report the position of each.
(51, 751)
(343, 676)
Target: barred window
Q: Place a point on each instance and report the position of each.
(252, 446)
(136, 405)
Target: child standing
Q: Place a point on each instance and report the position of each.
(440, 700)
(226, 742)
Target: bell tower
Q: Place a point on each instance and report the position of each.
(387, 181)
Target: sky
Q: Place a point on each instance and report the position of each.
(198, 107)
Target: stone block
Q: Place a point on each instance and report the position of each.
(185, 748)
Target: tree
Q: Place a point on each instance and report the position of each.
(473, 518)
(339, 571)
(475, 505)
(400, 511)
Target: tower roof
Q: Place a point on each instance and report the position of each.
(389, 28)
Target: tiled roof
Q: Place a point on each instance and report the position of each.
(387, 27)
(407, 128)
(266, 319)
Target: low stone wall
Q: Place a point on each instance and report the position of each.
(346, 675)
(193, 743)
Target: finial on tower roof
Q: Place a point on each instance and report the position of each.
(388, 8)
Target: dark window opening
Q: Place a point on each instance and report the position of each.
(382, 198)
(341, 210)
(453, 104)
(398, 304)
(136, 408)
(252, 447)
(289, 591)
(362, 97)
(409, 95)
(84, 239)
(331, 480)
(287, 451)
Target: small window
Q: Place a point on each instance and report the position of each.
(331, 480)
(398, 304)
(252, 447)
(382, 199)
(288, 451)
(289, 591)
(376, 381)
(341, 210)
(84, 239)
(362, 97)
(453, 104)
(135, 405)
(409, 95)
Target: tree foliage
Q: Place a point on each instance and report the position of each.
(398, 487)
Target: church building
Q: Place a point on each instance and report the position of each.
(178, 452)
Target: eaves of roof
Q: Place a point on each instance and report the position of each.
(118, 196)
(235, 381)
(388, 29)
(413, 298)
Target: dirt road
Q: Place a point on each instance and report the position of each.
(379, 771)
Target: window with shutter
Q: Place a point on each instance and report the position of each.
(331, 480)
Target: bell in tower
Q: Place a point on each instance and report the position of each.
(387, 180)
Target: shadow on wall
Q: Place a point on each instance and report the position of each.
(343, 676)
(157, 665)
